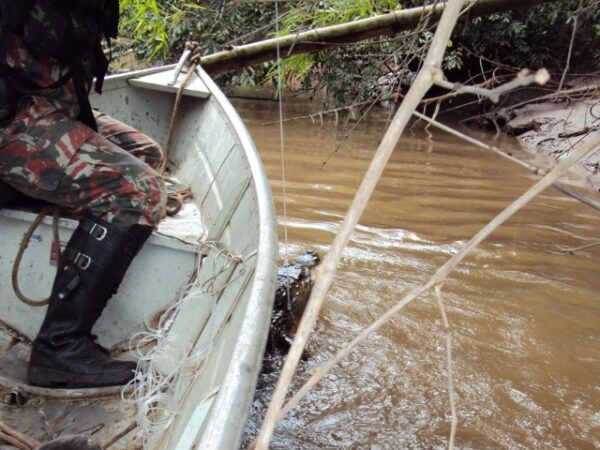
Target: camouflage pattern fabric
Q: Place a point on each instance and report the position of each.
(45, 29)
(47, 154)
(42, 70)
(111, 174)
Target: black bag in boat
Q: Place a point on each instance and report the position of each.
(9, 195)
(70, 31)
(12, 13)
(8, 101)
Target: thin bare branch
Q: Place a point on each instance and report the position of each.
(568, 190)
(449, 373)
(571, 42)
(572, 251)
(577, 195)
(578, 91)
(496, 150)
(523, 78)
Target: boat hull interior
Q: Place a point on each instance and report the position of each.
(217, 257)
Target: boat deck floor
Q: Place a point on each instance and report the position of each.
(46, 414)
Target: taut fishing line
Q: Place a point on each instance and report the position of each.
(286, 258)
(281, 140)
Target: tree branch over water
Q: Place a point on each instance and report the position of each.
(523, 78)
(325, 37)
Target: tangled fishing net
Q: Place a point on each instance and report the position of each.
(166, 365)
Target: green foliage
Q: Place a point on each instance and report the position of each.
(453, 60)
(528, 37)
(331, 12)
(160, 28)
(537, 36)
(297, 67)
(348, 74)
(351, 78)
(152, 24)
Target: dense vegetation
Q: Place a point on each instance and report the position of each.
(529, 37)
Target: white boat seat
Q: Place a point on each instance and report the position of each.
(163, 81)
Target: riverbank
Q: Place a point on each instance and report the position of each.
(551, 129)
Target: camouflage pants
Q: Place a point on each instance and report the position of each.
(111, 174)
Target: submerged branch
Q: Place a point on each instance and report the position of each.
(450, 375)
(583, 247)
(534, 169)
(567, 190)
(577, 195)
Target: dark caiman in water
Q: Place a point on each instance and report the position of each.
(294, 283)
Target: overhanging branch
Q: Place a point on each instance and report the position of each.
(337, 35)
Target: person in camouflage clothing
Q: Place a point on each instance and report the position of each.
(53, 147)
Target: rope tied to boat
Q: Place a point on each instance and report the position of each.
(227, 259)
(175, 199)
(23, 246)
(191, 56)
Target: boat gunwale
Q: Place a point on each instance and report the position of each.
(231, 406)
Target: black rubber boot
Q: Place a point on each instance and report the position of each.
(93, 265)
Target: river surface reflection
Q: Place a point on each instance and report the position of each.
(525, 316)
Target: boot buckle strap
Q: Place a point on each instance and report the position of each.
(98, 232)
(82, 261)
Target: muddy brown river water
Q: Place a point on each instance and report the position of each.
(525, 315)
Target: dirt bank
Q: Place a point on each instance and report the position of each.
(552, 129)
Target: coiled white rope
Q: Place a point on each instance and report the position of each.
(165, 367)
